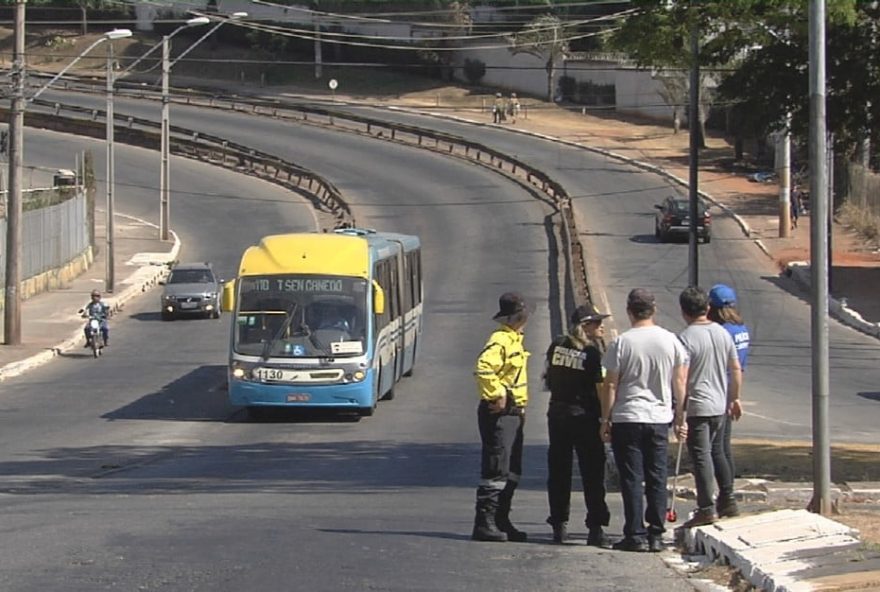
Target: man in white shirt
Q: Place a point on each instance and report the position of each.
(646, 368)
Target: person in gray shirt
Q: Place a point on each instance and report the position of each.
(646, 368)
(712, 358)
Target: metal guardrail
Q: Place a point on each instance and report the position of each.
(195, 144)
(199, 146)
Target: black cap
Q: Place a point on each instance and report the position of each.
(509, 304)
(640, 300)
(587, 313)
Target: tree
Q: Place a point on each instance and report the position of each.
(544, 38)
(674, 94)
(85, 5)
(764, 42)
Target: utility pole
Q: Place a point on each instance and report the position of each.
(821, 501)
(693, 178)
(12, 294)
(164, 176)
(109, 282)
(783, 173)
(318, 55)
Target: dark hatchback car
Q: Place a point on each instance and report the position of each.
(191, 289)
(673, 219)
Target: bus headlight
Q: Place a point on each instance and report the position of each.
(356, 376)
(239, 373)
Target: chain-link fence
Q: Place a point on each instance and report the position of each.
(50, 236)
(861, 187)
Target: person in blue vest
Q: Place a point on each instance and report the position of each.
(722, 310)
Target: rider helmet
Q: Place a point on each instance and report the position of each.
(96, 293)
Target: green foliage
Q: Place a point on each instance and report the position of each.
(474, 70)
(763, 46)
(773, 80)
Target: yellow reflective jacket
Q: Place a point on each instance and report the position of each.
(501, 366)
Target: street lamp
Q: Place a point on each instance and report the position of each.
(111, 173)
(12, 304)
(165, 144)
(108, 36)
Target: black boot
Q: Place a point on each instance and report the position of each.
(502, 516)
(485, 528)
(560, 531)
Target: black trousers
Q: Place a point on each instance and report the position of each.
(502, 438)
(569, 435)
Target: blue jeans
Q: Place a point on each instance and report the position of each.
(640, 455)
(705, 442)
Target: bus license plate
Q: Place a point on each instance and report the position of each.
(298, 397)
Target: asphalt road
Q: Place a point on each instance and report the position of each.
(135, 473)
(614, 203)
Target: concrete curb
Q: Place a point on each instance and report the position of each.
(144, 278)
(799, 272)
(773, 548)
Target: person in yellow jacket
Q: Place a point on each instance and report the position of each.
(502, 381)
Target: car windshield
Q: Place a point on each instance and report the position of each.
(191, 276)
(328, 316)
(683, 206)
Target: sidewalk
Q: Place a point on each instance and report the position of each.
(50, 324)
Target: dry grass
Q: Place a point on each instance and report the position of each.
(862, 221)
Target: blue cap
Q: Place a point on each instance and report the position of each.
(722, 295)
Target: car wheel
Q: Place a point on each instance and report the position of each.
(707, 239)
(663, 236)
(167, 316)
(215, 314)
(656, 230)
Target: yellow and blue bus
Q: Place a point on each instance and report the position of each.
(324, 320)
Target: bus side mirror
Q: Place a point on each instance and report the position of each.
(227, 303)
(378, 298)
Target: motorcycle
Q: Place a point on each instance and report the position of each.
(95, 336)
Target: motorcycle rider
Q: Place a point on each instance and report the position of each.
(97, 309)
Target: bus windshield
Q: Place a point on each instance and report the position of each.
(301, 316)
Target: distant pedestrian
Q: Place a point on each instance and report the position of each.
(714, 377)
(795, 207)
(574, 370)
(502, 382)
(723, 310)
(642, 395)
(512, 107)
(498, 109)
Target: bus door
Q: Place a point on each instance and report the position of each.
(398, 310)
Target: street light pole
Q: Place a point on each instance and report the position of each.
(109, 282)
(821, 501)
(165, 143)
(694, 171)
(12, 297)
(164, 177)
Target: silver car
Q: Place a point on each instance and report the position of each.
(191, 289)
